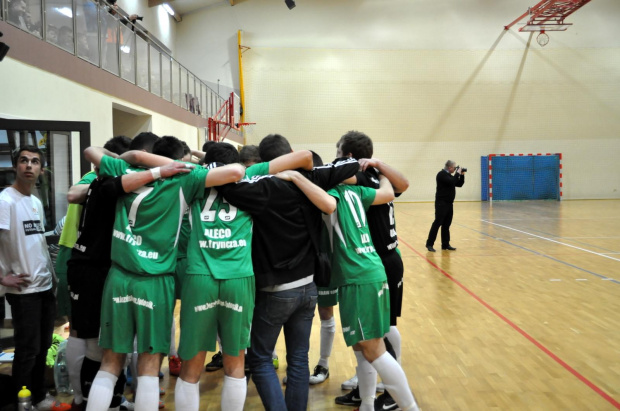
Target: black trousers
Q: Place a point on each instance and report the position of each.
(33, 321)
(443, 219)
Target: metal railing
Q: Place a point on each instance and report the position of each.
(104, 36)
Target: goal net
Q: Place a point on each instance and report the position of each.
(521, 177)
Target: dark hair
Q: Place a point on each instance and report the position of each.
(33, 149)
(317, 161)
(186, 149)
(249, 155)
(168, 146)
(144, 141)
(207, 144)
(118, 144)
(222, 153)
(273, 146)
(358, 144)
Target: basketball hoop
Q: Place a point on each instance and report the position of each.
(542, 39)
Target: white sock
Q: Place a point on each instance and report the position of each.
(395, 381)
(101, 391)
(366, 381)
(219, 342)
(233, 393)
(328, 330)
(147, 394)
(173, 342)
(76, 349)
(186, 395)
(394, 337)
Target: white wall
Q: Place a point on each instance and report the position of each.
(207, 39)
(427, 80)
(38, 95)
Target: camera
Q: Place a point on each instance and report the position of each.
(461, 170)
(139, 18)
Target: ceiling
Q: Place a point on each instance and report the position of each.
(183, 7)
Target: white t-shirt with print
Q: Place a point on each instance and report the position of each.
(23, 248)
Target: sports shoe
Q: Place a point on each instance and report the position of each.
(127, 405)
(174, 365)
(161, 404)
(385, 402)
(162, 391)
(320, 374)
(216, 362)
(276, 362)
(352, 398)
(350, 383)
(285, 379)
(50, 404)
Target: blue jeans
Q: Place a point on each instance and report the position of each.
(292, 310)
(33, 322)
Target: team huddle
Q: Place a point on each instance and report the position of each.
(240, 248)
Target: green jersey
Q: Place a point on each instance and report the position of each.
(69, 234)
(258, 169)
(354, 258)
(148, 221)
(221, 236)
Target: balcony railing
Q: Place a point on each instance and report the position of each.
(104, 36)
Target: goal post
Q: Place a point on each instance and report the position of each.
(521, 177)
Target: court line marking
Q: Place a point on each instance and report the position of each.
(604, 277)
(549, 239)
(531, 339)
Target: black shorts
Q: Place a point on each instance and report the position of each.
(394, 269)
(85, 290)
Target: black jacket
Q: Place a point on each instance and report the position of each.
(282, 250)
(446, 186)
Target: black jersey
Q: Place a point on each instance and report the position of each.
(380, 217)
(282, 250)
(95, 230)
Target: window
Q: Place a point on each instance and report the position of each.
(58, 140)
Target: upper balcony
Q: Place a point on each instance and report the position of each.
(108, 38)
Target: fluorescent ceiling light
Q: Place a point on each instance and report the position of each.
(65, 11)
(168, 9)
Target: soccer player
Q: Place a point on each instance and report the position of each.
(283, 259)
(218, 291)
(363, 292)
(382, 224)
(138, 298)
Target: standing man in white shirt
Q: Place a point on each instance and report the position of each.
(26, 275)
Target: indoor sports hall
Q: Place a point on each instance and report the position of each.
(524, 94)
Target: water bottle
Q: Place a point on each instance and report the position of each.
(24, 401)
(61, 371)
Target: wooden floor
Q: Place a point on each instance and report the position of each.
(525, 315)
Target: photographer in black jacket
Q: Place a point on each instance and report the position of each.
(444, 199)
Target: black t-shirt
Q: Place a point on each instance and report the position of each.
(380, 217)
(95, 230)
(282, 250)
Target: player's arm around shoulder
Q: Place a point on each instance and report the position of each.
(385, 193)
(323, 201)
(291, 161)
(399, 182)
(229, 173)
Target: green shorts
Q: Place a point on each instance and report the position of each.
(210, 307)
(328, 297)
(364, 311)
(140, 305)
(179, 275)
